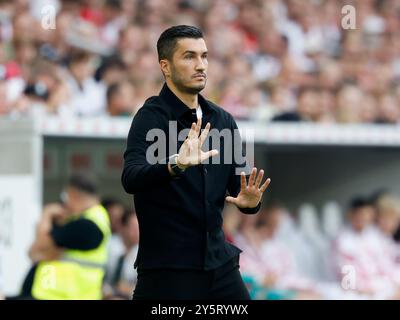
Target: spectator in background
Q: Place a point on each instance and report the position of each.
(369, 108)
(40, 94)
(267, 264)
(280, 260)
(113, 21)
(111, 70)
(120, 276)
(251, 261)
(115, 248)
(349, 104)
(231, 222)
(115, 210)
(254, 44)
(388, 221)
(389, 109)
(86, 96)
(25, 54)
(308, 108)
(359, 246)
(71, 241)
(121, 99)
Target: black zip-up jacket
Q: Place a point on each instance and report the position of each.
(180, 221)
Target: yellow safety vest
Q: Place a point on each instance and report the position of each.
(79, 274)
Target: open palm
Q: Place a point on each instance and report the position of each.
(190, 153)
(250, 195)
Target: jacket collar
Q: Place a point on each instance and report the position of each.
(178, 107)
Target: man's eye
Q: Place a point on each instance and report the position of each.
(189, 57)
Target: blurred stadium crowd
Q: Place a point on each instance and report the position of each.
(335, 253)
(338, 253)
(275, 60)
(278, 59)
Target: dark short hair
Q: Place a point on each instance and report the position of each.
(359, 202)
(78, 56)
(111, 63)
(83, 183)
(109, 202)
(114, 4)
(168, 39)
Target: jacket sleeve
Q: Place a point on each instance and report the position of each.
(138, 174)
(239, 165)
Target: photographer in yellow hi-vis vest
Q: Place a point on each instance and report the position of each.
(70, 247)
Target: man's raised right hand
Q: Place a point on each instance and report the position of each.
(190, 153)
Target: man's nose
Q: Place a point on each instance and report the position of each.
(200, 65)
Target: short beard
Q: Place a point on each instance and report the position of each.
(179, 84)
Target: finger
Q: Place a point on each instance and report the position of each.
(204, 134)
(198, 127)
(265, 185)
(230, 200)
(190, 145)
(252, 177)
(242, 181)
(192, 132)
(259, 178)
(208, 154)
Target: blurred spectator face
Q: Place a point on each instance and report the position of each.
(113, 74)
(131, 39)
(308, 105)
(274, 44)
(64, 20)
(76, 201)
(25, 26)
(296, 8)
(121, 101)
(270, 220)
(348, 104)
(389, 109)
(111, 10)
(253, 98)
(146, 68)
(327, 102)
(388, 218)
(115, 212)
(81, 66)
(369, 109)
(330, 76)
(187, 69)
(238, 67)
(225, 41)
(25, 51)
(72, 200)
(281, 98)
(353, 44)
(362, 217)
(130, 231)
(388, 222)
(250, 17)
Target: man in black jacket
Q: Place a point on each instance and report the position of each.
(179, 196)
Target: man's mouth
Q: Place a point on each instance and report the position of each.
(203, 76)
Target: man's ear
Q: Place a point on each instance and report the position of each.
(165, 67)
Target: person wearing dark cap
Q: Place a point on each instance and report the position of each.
(182, 252)
(70, 247)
